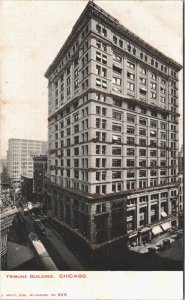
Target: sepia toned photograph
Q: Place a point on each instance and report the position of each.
(92, 158)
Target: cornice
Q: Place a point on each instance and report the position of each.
(94, 11)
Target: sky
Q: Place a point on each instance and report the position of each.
(34, 31)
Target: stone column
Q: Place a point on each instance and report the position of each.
(71, 213)
(149, 209)
(159, 207)
(137, 212)
(109, 221)
(92, 226)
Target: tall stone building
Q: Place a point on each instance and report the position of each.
(20, 157)
(39, 177)
(113, 133)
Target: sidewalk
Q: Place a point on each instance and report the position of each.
(171, 235)
(59, 244)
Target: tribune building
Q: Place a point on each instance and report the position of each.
(113, 133)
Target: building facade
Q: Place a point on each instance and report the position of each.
(181, 160)
(7, 216)
(113, 133)
(181, 199)
(27, 187)
(40, 172)
(20, 157)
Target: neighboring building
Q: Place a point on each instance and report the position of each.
(113, 133)
(181, 199)
(181, 160)
(40, 172)
(7, 215)
(20, 157)
(4, 178)
(27, 187)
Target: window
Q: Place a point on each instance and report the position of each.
(116, 115)
(153, 133)
(142, 173)
(104, 84)
(154, 96)
(130, 86)
(103, 162)
(115, 39)
(100, 97)
(116, 80)
(143, 81)
(101, 83)
(153, 76)
(76, 128)
(116, 127)
(76, 139)
(76, 163)
(130, 75)
(68, 131)
(130, 65)
(130, 174)
(153, 85)
(98, 70)
(104, 32)
(130, 140)
(116, 151)
(117, 103)
(116, 162)
(163, 99)
(142, 131)
(68, 91)
(130, 151)
(142, 70)
(153, 153)
(131, 118)
(98, 110)
(104, 111)
(116, 174)
(131, 107)
(130, 162)
(142, 152)
(142, 121)
(142, 142)
(142, 163)
(153, 124)
(153, 163)
(97, 123)
(98, 28)
(130, 130)
(76, 151)
(163, 126)
(163, 91)
(103, 124)
(68, 152)
(101, 57)
(120, 43)
(117, 57)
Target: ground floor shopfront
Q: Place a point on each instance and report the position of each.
(100, 219)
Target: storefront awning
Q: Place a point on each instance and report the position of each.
(163, 214)
(143, 89)
(145, 229)
(166, 226)
(115, 137)
(156, 230)
(132, 235)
